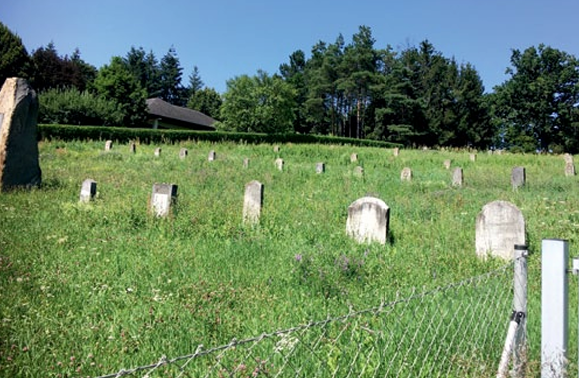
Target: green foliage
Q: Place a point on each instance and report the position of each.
(170, 72)
(262, 104)
(73, 107)
(145, 68)
(207, 100)
(14, 59)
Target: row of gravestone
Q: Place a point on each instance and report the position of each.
(499, 226)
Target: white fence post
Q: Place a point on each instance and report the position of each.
(576, 272)
(554, 307)
(520, 307)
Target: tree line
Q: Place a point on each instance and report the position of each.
(416, 96)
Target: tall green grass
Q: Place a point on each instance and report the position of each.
(88, 289)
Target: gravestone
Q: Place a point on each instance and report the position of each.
(276, 149)
(320, 168)
(472, 157)
(163, 198)
(499, 226)
(108, 145)
(158, 151)
(133, 147)
(353, 158)
(396, 151)
(518, 177)
(447, 164)
(368, 220)
(183, 152)
(252, 202)
(19, 166)
(246, 163)
(569, 169)
(457, 177)
(406, 174)
(88, 190)
(568, 158)
(279, 164)
(212, 156)
(358, 171)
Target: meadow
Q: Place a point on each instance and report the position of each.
(86, 289)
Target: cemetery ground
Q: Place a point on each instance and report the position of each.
(88, 289)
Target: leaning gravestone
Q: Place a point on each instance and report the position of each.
(320, 167)
(183, 152)
(133, 147)
(162, 199)
(19, 165)
(212, 156)
(569, 169)
(457, 177)
(568, 158)
(518, 177)
(368, 220)
(406, 174)
(88, 190)
(279, 164)
(252, 202)
(499, 226)
(108, 145)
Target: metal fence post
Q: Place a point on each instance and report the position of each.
(576, 272)
(520, 307)
(554, 307)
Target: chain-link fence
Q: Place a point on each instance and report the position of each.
(452, 331)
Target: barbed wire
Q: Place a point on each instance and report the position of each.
(453, 329)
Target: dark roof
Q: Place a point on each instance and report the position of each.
(159, 108)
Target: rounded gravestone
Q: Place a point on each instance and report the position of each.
(499, 226)
(368, 220)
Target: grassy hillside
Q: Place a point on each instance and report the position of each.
(88, 289)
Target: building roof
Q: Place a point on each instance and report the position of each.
(179, 115)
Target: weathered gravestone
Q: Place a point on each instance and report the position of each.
(183, 152)
(320, 168)
(472, 157)
(568, 158)
(406, 174)
(368, 220)
(353, 158)
(457, 177)
(88, 190)
(158, 151)
(396, 151)
(246, 163)
(133, 147)
(499, 226)
(279, 164)
(108, 145)
(212, 156)
(276, 149)
(518, 177)
(252, 202)
(19, 165)
(447, 164)
(569, 169)
(358, 171)
(163, 198)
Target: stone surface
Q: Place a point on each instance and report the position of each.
(276, 149)
(472, 157)
(320, 168)
(358, 171)
(396, 151)
(457, 177)
(163, 198)
(406, 174)
(88, 190)
(368, 220)
(569, 169)
(212, 156)
(279, 164)
(19, 166)
(158, 151)
(447, 164)
(246, 163)
(518, 177)
(183, 152)
(499, 226)
(353, 158)
(108, 145)
(133, 147)
(252, 202)
(568, 158)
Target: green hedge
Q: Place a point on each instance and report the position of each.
(124, 135)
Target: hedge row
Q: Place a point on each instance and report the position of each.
(124, 135)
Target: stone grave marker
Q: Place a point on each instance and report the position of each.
(406, 174)
(457, 177)
(212, 156)
(279, 164)
(252, 202)
(368, 220)
(358, 171)
(88, 190)
(568, 158)
(276, 149)
(518, 177)
(447, 164)
(472, 157)
(246, 163)
(569, 169)
(163, 198)
(108, 145)
(320, 167)
(353, 158)
(133, 147)
(499, 226)
(158, 151)
(183, 152)
(396, 151)
(19, 166)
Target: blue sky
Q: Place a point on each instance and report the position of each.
(225, 38)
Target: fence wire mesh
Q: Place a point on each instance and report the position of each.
(452, 331)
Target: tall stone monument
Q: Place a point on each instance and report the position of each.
(19, 165)
(252, 202)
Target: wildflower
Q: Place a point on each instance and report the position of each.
(298, 257)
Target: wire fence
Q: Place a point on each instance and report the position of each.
(452, 331)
